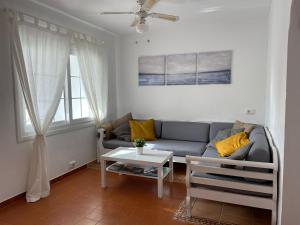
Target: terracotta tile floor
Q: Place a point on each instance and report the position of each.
(79, 200)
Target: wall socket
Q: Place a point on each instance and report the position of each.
(72, 164)
(250, 111)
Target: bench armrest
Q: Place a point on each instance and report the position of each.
(202, 165)
(261, 165)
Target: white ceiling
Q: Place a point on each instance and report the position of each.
(187, 10)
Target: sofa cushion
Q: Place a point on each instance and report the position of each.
(260, 150)
(123, 119)
(223, 134)
(114, 124)
(216, 127)
(248, 127)
(179, 148)
(232, 144)
(257, 130)
(142, 130)
(157, 127)
(122, 132)
(210, 152)
(241, 154)
(185, 131)
(115, 143)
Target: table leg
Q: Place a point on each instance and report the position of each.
(160, 182)
(103, 173)
(171, 166)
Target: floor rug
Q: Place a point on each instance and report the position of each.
(181, 215)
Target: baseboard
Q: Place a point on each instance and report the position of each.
(55, 180)
(11, 200)
(61, 177)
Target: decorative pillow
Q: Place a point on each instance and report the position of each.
(122, 132)
(240, 154)
(223, 134)
(114, 124)
(123, 119)
(108, 128)
(248, 127)
(231, 144)
(142, 129)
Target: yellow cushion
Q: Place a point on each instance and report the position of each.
(231, 144)
(142, 129)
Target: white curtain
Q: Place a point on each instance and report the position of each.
(92, 60)
(40, 57)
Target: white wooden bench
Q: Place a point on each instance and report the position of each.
(228, 190)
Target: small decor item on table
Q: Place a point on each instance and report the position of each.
(139, 144)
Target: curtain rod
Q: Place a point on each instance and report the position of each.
(75, 34)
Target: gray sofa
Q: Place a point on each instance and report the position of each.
(191, 138)
(250, 182)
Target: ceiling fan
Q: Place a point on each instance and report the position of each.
(144, 12)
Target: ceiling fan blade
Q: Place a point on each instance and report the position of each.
(164, 16)
(116, 13)
(135, 22)
(148, 4)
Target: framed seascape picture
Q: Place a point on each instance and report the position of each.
(186, 69)
(181, 69)
(152, 70)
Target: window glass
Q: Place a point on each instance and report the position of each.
(60, 114)
(73, 104)
(80, 106)
(76, 114)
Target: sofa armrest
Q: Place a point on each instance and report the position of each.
(101, 133)
(101, 136)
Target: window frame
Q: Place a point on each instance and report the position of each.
(70, 106)
(57, 127)
(62, 122)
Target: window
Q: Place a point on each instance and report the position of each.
(73, 110)
(80, 106)
(61, 110)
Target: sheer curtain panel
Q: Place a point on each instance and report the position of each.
(40, 55)
(93, 61)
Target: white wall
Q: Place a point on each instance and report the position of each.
(291, 178)
(277, 74)
(79, 145)
(277, 65)
(245, 35)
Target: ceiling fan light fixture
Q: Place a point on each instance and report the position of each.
(211, 9)
(141, 28)
(142, 13)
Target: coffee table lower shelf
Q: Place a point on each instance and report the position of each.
(166, 171)
(152, 159)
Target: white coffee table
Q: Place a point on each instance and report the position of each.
(149, 158)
